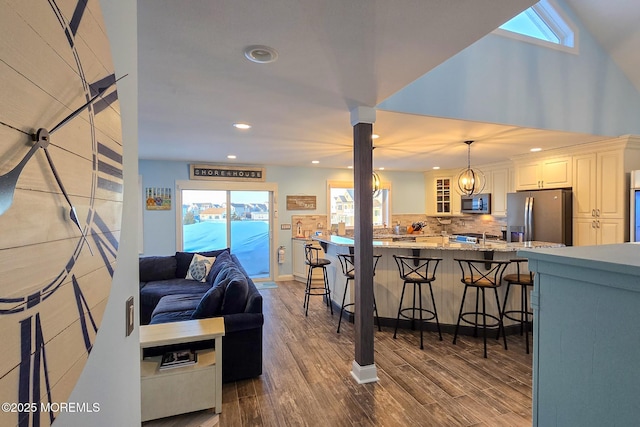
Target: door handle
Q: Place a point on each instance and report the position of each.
(593, 212)
(598, 212)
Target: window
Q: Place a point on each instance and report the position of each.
(235, 215)
(342, 202)
(542, 24)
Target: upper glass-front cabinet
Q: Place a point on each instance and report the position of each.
(443, 195)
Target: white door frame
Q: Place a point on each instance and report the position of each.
(233, 186)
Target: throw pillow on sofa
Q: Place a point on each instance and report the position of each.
(211, 302)
(183, 260)
(199, 268)
(235, 293)
(154, 268)
(221, 263)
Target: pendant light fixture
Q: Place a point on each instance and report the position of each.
(376, 184)
(375, 178)
(470, 181)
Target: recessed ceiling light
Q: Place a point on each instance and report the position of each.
(315, 162)
(375, 136)
(231, 156)
(242, 126)
(436, 167)
(533, 150)
(381, 169)
(349, 167)
(260, 54)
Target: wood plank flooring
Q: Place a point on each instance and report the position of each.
(306, 378)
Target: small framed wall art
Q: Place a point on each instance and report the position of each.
(158, 198)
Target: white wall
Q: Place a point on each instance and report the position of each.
(503, 80)
(111, 376)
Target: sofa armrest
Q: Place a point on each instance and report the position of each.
(242, 322)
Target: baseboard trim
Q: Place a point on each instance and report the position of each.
(430, 326)
(364, 374)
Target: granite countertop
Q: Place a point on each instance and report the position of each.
(497, 246)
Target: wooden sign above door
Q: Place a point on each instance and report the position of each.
(226, 173)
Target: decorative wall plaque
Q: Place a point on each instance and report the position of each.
(301, 203)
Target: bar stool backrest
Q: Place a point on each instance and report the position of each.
(417, 269)
(481, 272)
(522, 276)
(312, 254)
(348, 265)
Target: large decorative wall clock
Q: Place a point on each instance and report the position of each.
(60, 199)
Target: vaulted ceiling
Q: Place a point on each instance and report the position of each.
(333, 55)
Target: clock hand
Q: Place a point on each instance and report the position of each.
(101, 91)
(43, 134)
(9, 180)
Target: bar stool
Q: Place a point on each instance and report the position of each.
(417, 271)
(481, 274)
(348, 267)
(524, 280)
(313, 260)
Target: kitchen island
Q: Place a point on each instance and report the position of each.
(447, 288)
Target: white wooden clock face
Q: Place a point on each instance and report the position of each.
(55, 274)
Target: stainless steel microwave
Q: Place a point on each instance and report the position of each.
(478, 204)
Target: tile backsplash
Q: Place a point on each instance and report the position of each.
(310, 224)
(307, 225)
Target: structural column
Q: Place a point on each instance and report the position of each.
(363, 367)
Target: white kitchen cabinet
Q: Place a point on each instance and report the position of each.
(588, 231)
(599, 198)
(498, 186)
(298, 260)
(299, 266)
(441, 197)
(601, 192)
(544, 173)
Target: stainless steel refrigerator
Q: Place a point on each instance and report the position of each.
(541, 215)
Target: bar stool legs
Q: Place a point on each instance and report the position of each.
(498, 323)
(348, 270)
(481, 275)
(433, 315)
(417, 271)
(314, 261)
(522, 316)
(344, 306)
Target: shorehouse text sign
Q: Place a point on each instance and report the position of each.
(226, 173)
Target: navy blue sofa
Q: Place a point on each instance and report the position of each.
(228, 292)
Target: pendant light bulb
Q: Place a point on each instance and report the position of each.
(376, 184)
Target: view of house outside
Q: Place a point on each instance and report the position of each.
(204, 225)
(343, 206)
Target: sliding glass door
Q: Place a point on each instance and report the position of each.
(236, 219)
(249, 237)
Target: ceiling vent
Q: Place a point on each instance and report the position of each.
(261, 54)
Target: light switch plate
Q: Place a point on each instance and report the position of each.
(129, 314)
